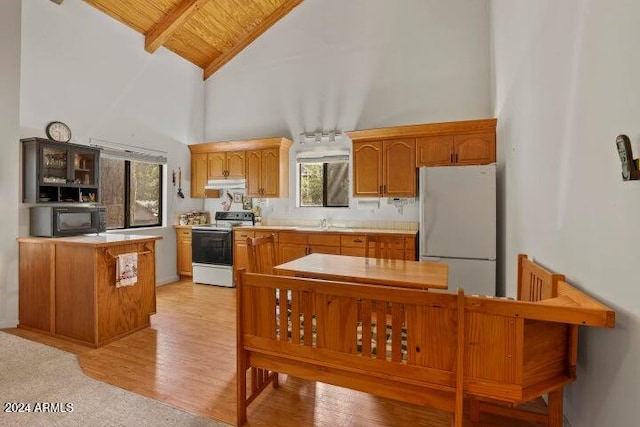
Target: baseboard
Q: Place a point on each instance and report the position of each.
(168, 280)
(8, 324)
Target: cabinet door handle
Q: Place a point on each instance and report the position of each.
(452, 158)
(456, 155)
(357, 240)
(384, 189)
(380, 190)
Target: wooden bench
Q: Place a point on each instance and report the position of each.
(433, 349)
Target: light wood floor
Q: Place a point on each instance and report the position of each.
(187, 359)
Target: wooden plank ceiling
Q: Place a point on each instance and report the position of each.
(208, 33)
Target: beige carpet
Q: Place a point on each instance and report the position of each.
(49, 379)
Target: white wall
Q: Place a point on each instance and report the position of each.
(360, 64)
(9, 165)
(566, 79)
(88, 70)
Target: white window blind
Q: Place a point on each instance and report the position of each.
(322, 156)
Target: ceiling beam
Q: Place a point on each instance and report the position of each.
(160, 32)
(249, 37)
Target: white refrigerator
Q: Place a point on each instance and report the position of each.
(458, 224)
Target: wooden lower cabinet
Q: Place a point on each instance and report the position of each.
(354, 245)
(240, 254)
(69, 289)
(183, 246)
(292, 245)
(323, 243)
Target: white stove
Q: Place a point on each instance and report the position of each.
(212, 248)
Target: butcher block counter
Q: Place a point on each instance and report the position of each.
(67, 286)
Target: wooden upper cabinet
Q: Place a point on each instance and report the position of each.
(264, 171)
(198, 174)
(223, 165)
(264, 163)
(475, 149)
(399, 168)
(470, 142)
(434, 150)
(254, 172)
(384, 168)
(216, 165)
(367, 168)
(468, 149)
(267, 173)
(270, 172)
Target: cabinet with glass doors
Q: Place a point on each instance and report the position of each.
(59, 172)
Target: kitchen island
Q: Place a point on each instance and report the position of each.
(67, 286)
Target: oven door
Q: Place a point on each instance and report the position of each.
(212, 247)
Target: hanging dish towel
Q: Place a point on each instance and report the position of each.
(127, 269)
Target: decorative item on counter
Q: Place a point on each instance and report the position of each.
(246, 203)
(193, 218)
(257, 212)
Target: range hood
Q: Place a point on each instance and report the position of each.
(226, 184)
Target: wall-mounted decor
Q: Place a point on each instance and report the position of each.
(246, 203)
(237, 197)
(630, 170)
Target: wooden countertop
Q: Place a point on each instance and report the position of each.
(335, 230)
(189, 226)
(99, 240)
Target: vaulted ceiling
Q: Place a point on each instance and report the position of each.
(208, 33)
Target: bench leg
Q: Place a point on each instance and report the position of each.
(474, 410)
(276, 380)
(555, 408)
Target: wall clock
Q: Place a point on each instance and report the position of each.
(58, 131)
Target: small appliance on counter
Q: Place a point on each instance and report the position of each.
(66, 221)
(212, 248)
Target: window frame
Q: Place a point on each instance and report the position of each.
(324, 184)
(127, 189)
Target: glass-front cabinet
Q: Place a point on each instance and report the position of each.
(59, 172)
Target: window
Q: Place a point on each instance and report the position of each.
(323, 179)
(131, 190)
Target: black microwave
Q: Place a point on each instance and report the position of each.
(64, 221)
